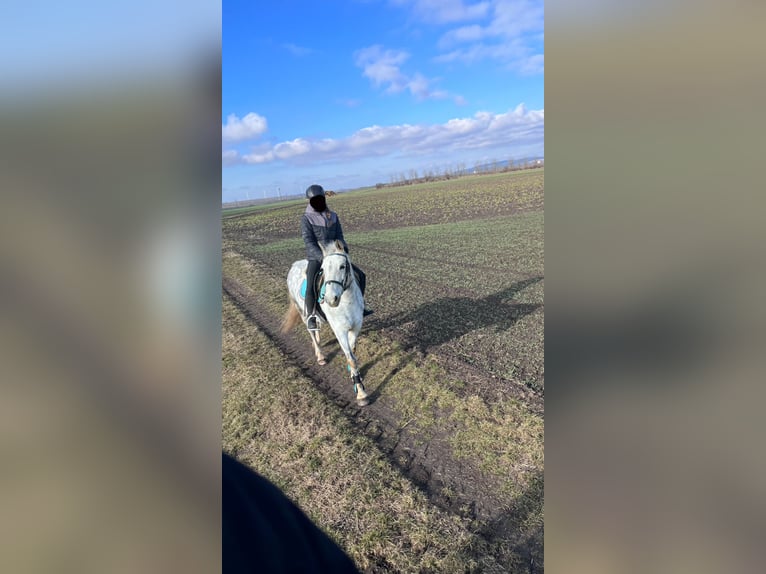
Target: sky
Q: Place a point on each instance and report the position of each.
(349, 93)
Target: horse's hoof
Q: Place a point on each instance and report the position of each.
(362, 398)
(321, 361)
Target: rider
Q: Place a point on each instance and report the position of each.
(321, 225)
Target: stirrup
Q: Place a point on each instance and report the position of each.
(316, 322)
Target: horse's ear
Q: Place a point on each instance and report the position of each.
(323, 247)
(339, 245)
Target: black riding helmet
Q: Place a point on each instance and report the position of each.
(314, 191)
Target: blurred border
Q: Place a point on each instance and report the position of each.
(654, 261)
(110, 286)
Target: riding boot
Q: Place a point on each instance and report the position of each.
(362, 280)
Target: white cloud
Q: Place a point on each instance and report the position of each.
(513, 18)
(382, 67)
(506, 31)
(462, 34)
(230, 157)
(247, 128)
(445, 11)
(484, 130)
(533, 65)
(420, 87)
(513, 54)
(298, 51)
(296, 147)
(255, 158)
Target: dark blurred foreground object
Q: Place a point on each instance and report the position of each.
(263, 531)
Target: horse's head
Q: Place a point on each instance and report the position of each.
(336, 272)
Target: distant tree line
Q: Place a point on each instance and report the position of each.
(457, 170)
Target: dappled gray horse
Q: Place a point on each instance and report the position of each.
(341, 301)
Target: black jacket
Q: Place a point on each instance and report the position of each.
(320, 228)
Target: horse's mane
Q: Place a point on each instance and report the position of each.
(333, 247)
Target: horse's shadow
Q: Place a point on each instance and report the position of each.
(405, 360)
(331, 354)
(444, 320)
(447, 319)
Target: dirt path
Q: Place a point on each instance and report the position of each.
(453, 485)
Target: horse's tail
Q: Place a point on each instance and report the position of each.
(291, 318)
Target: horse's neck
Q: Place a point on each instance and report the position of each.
(353, 287)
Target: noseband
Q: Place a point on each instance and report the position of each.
(346, 283)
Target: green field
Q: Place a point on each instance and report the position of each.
(453, 357)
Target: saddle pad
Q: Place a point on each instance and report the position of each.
(303, 290)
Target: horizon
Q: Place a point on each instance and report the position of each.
(485, 170)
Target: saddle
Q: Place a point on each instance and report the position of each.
(319, 289)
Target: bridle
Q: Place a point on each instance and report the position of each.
(346, 283)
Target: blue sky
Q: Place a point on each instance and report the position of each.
(348, 93)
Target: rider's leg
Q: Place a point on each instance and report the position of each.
(362, 285)
(361, 277)
(311, 297)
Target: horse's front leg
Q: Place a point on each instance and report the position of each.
(347, 341)
(352, 335)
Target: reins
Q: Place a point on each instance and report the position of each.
(346, 283)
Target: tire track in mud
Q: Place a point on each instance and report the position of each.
(452, 485)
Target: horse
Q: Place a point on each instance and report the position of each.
(341, 301)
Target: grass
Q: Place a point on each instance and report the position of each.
(228, 212)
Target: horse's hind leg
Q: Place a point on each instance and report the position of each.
(317, 350)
